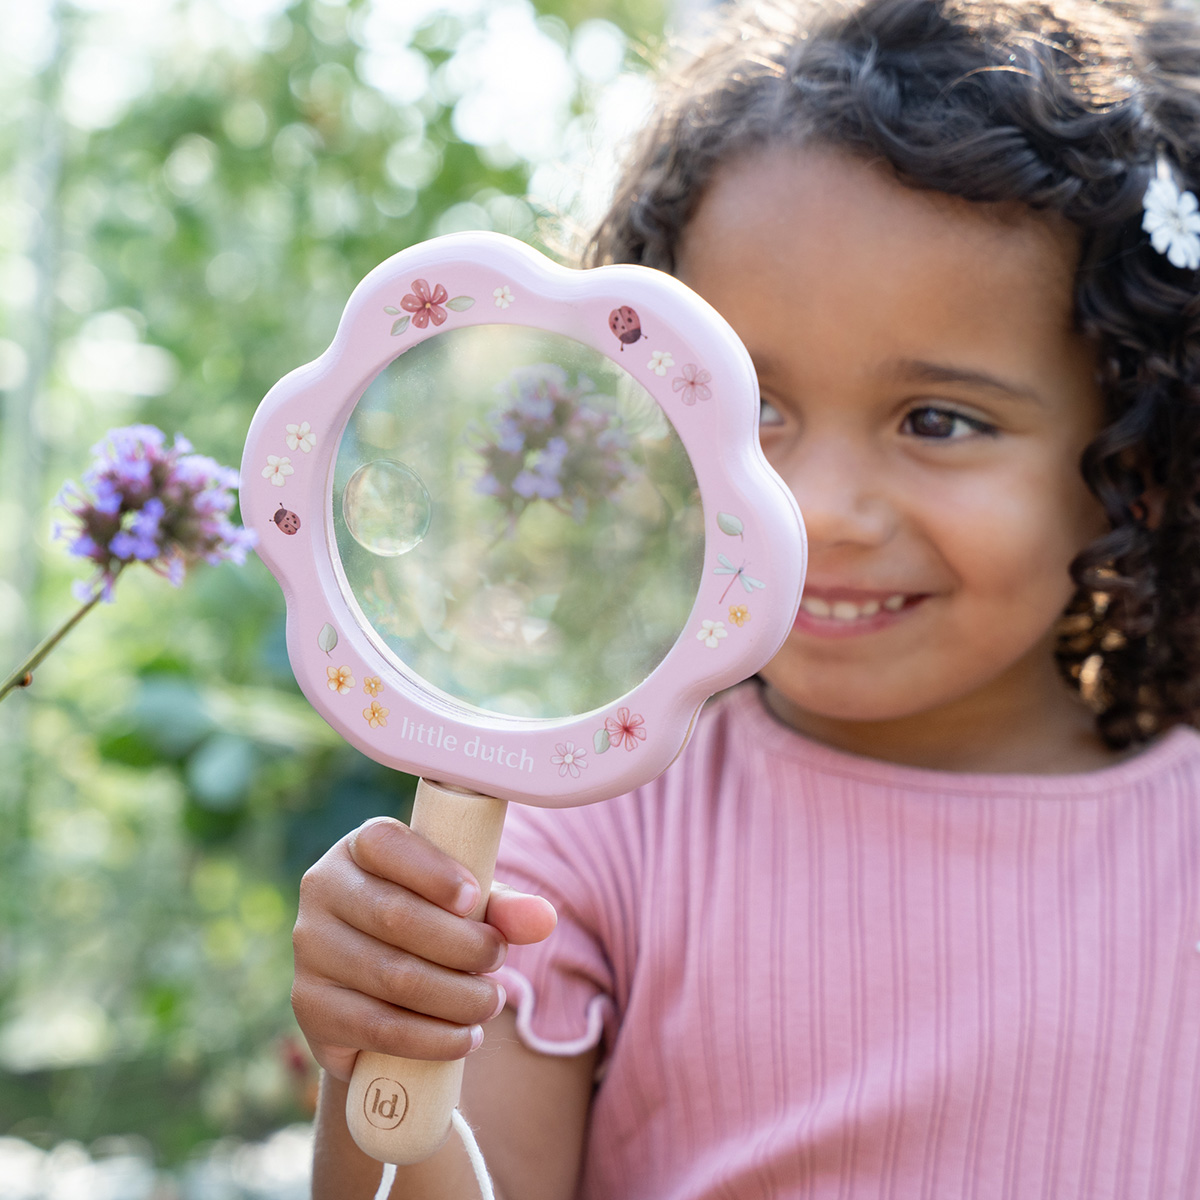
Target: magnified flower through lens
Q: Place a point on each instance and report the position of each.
(552, 442)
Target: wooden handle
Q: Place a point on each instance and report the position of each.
(399, 1109)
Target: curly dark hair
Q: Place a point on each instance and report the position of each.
(1065, 106)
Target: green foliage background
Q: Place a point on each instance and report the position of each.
(163, 784)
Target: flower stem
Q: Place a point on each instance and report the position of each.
(23, 675)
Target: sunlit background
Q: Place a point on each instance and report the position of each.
(188, 193)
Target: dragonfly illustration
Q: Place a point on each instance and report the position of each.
(738, 573)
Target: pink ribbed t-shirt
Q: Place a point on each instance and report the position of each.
(814, 975)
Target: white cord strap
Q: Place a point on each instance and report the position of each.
(385, 1181)
(474, 1155)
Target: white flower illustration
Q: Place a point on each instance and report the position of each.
(1172, 219)
(711, 633)
(278, 469)
(569, 759)
(660, 360)
(503, 296)
(301, 437)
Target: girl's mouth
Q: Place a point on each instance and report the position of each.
(840, 615)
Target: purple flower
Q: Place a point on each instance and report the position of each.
(536, 407)
(146, 501)
(511, 439)
(552, 440)
(530, 484)
(107, 495)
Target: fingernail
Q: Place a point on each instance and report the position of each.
(503, 1001)
(476, 1037)
(466, 898)
(352, 839)
(501, 955)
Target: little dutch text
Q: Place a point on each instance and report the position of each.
(476, 747)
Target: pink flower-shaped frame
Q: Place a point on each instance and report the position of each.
(661, 333)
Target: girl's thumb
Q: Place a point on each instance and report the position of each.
(518, 917)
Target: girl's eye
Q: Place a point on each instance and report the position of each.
(768, 414)
(943, 424)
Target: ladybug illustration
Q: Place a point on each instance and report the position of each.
(626, 324)
(287, 521)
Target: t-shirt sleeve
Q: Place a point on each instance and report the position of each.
(565, 989)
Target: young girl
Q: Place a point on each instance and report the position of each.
(916, 914)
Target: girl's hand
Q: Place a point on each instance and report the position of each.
(386, 961)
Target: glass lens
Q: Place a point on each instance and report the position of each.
(517, 521)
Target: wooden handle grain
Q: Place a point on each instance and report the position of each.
(399, 1109)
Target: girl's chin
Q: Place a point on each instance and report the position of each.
(808, 713)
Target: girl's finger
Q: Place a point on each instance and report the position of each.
(335, 1017)
(397, 916)
(358, 963)
(390, 850)
(338, 1061)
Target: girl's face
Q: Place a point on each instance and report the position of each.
(926, 398)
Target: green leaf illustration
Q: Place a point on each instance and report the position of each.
(327, 639)
(600, 740)
(728, 523)
(391, 312)
(400, 326)
(460, 303)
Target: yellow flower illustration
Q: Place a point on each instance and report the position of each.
(372, 685)
(340, 680)
(376, 715)
(739, 614)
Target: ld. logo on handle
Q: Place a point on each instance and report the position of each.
(385, 1103)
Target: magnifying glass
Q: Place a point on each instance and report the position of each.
(524, 529)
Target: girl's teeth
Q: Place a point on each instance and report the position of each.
(847, 610)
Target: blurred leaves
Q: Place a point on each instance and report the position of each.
(189, 193)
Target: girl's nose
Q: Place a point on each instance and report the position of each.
(842, 493)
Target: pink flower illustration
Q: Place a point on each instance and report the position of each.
(626, 728)
(692, 382)
(424, 304)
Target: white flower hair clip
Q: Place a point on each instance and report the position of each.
(1172, 219)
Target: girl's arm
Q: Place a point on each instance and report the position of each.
(529, 1112)
(384, 962)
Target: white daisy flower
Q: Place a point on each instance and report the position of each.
(569, 759)
(503, 296)
(301, 437)
(278, 469)
(1172, 219)
(711, 633)
(660, 361)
